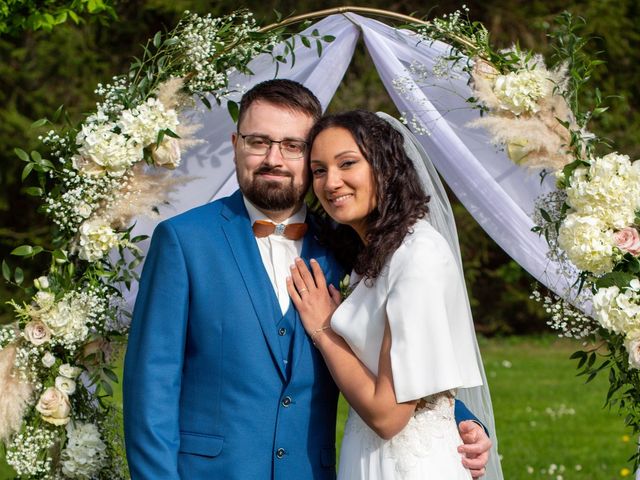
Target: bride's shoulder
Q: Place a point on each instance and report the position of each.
(422, 246)
(421, 235)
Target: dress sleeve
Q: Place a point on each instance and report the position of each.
(431, 329)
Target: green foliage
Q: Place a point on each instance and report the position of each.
(17, 16)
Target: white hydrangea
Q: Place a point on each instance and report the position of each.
(143, 122)
(520, 92)
(632, 345)
(85, 452)
(608, 189)
(587, 242)
(96, 239)
(103, 150)
(68, 318)
(618, 311)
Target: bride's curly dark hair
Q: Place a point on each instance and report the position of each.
(401, 200)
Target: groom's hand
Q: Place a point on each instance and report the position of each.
(475, 449)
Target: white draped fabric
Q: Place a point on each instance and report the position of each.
(499, 194)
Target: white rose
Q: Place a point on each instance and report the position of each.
(83, 209)
(167, 154)
(68, 371)
(65, 385)
(37, 332)
(632, 344)
(54, 406)
(41, 283)
(48, 359)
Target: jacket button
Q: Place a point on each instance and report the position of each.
(286, 401)
(280, 452)
(282, 332)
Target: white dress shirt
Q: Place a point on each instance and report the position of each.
(278, 253)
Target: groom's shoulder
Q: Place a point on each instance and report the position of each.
(203, 215)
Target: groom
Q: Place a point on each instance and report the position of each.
(220, 380)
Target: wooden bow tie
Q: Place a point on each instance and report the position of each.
(293, 231)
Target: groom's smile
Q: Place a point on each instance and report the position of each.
(274, 184)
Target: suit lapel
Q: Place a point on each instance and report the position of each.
(237, 229)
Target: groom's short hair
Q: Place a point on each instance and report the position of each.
(285, 93)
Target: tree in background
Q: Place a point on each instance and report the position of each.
(17, 16)
(43, 67)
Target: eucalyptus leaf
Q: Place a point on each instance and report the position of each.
(22, 155)
(34, 191)
(26, 171)
(39, 123)
(22, 250)
(18, 276)
(6, 271)
(234, 110)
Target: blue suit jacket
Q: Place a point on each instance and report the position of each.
(205, 392)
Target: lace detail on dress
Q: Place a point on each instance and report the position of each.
(433, 421)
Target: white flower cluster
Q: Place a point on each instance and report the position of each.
(587, 242)
(616, 310)
(619, 311)
(82, 195)
(96, 239)
(24, 452)
(102, 149)
(68, 319)
(85, 453)
(112, 147)
(201, 42)
(608, 189)
(113, 94)
(603, 198)
(142, 123)
(565, 318)
(520, 92)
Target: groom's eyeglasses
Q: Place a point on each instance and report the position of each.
(258, 145)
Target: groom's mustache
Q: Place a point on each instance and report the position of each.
(272, 171)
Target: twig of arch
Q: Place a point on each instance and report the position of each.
(330, 11)
(372, 11)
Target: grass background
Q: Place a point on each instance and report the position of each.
(550, 425)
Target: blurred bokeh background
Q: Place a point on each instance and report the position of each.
(55, 52)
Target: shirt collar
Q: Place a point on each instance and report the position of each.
(255, 214)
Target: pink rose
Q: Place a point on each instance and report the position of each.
(37, 332)
(628, 240)
(54, 406)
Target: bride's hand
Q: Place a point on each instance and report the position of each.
(313, 300)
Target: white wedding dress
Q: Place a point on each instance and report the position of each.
(421, 295)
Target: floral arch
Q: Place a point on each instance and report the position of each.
(479, 113)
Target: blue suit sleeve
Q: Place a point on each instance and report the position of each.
(154, 360)
(462, 414)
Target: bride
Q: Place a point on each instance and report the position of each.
(402, 342)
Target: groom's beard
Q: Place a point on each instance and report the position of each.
(269, 195)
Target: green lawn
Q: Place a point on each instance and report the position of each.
(550, 425)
